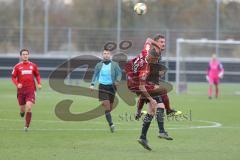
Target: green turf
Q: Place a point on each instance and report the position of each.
(51, 138)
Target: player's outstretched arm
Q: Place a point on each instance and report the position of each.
(152, 42)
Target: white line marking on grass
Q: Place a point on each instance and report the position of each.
(129, 123)
(212, 125)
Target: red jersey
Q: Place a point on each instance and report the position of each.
(24, 73)
(138, 68)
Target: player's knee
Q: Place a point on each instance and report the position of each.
(106, 105)
(160, 105)
(29, 106)
(156, 87)
(151, 110)
(151, 113)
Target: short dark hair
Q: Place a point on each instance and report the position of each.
(22, 50)
(158, 36)
(106, 49)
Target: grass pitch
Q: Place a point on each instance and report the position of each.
(208, 130)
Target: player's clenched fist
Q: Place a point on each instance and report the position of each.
(19, 85)
(39, 86)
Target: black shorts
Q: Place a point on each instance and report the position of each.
(106, 92)
(156, 98)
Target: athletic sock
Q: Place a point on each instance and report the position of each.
(165, 100)
(160, 119)
(210, 91)
(146, 123)
(28, 119)
(108, 117)
(22, 114)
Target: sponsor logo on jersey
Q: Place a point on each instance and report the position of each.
(26, 72)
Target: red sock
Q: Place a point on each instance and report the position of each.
(217, 91)
(140, 104)
(165, 100)
(210, 91)
(28, 119)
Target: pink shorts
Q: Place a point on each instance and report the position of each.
(214, 80)
(26, 96)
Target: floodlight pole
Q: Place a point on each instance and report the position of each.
(21, 21)
(46, 9)
(119, 13)
(217, 25)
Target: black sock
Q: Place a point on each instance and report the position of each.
(108, 117)
(146, 123)
(160, 119)
(22, 114)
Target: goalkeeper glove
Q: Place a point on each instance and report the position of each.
(220, 75)
(207, 78)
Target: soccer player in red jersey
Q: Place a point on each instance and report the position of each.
(23, 77)
(137, 71)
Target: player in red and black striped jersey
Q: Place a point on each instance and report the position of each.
(150, 49)
(137, 71)
(23, 75)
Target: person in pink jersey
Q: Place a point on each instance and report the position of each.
(214, 73)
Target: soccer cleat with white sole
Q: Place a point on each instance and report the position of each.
(112, 128)
(25, 129)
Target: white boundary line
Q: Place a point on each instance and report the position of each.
(129, 123)
(212, 125)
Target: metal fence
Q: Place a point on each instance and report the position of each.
(77, 40)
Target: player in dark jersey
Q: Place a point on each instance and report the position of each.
(23, 75)
(137, 71)
(157, 73)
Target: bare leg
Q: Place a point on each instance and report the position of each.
(216, 90)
